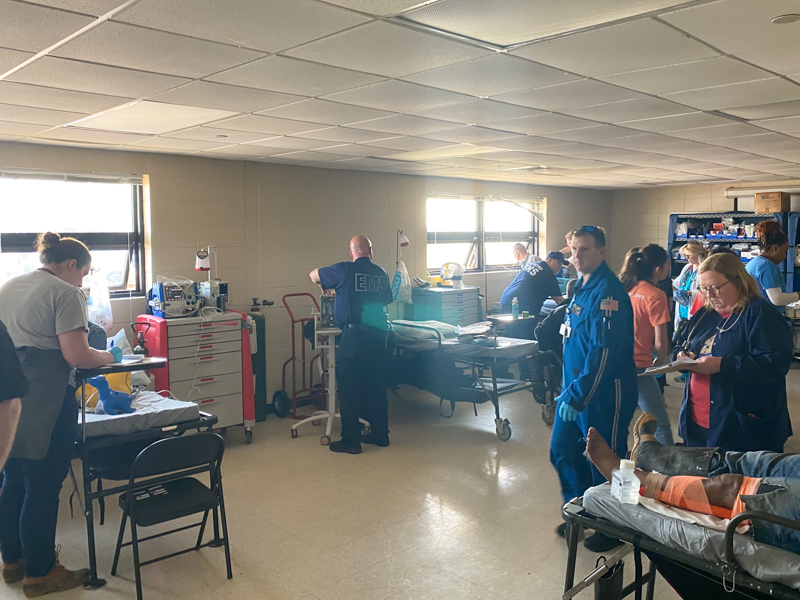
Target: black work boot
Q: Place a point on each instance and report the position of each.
(345, 447)
(649, 455)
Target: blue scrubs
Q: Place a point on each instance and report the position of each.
(767, 276)
(599, 379)
(534, 284)
(362, 294)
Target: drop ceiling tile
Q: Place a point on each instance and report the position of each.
(677, 122)
(768, 142)
(738, 94)
(472, 135)
(164, 143)
(398, 96)
(630, 110)
(37, 116)
(294, 77)
(309, 156)
(266, 125)
(533, 143)
(783, 125)
(87, 7)
(387, 49)
(251, 151)
(51, 98)
(787, 108)
(512, 22)
(11, 58)
(268, 25)
(704, 134)
(720, 70)
(76, 134)
(343, 135)
(478, 112)
(574, 94)
(21, 129)
(322, 111)
(639, 44)
(491, 75)
(354, 150)
(132, 47)
(377, 7)
(407, 144)
(206, 94)
(220, 135)
(744, 29)
(596, 133)
(287, 144)
(152, 118)
(97, 79)
(515, 157)
(51, 26)
(404, 125)
(545, 123)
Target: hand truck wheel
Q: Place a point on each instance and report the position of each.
(294, 433)
(325, 440)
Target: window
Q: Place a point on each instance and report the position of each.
(105, 215)
(480, 233)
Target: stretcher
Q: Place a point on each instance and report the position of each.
(457, 372)
(152, 410)
(710, 563)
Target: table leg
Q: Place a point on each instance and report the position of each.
(94, 582)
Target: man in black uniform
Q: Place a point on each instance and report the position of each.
(362, 294)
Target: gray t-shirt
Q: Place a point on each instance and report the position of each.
(38, 306)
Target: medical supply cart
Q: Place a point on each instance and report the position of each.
(208, 363)
(456, 306)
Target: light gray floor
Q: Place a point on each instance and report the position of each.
(448, 511)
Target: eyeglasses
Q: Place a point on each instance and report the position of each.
(711, 289)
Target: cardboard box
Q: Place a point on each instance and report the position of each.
(771, 202)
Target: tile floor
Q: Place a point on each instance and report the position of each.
(448, 511)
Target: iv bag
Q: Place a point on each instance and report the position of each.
(100, 303)
(401, 284)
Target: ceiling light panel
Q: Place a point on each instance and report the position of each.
(151, 118)
(640, 108)
(738, 94)
(405, 125)
(293, 77)
(206, 94)
(55, 99)
(515, 21)
(38, 116)
(491, 75)
(479, 112)
(387, 49)
(630, 46)
(98, 79)
(398, 96)
(268, 25)
(744, 28)
(575, 94)
(693, 75)
(148, 50)
(51, 25)
(322, 111)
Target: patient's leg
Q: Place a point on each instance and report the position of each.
(722, 491)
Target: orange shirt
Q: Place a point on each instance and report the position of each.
(650, 310)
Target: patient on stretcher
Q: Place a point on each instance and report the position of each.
(725, 495)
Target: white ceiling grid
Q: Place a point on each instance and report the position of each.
(613, 94)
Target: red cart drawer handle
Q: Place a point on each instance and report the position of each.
(206, 346)
(206, 379)
(207, 357)
(205, 336)
(209, 401)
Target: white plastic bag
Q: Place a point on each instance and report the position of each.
(100, 303)
(401, 284)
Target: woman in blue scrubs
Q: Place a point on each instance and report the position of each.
(774, 244)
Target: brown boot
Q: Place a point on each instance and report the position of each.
(57, 580)
(13, 572)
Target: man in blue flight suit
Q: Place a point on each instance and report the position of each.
(599, 388)
(362, 294)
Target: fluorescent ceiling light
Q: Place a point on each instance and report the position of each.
(151, 118)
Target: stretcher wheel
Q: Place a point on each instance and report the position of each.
(548, 413)
(294, 433)
(248, 436)
(325, 440)
(222, 431)
(316, 422)
(504, 430)
(281, 404)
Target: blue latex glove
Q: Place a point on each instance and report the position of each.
(681, 297)
(116, 352)
(566, 412)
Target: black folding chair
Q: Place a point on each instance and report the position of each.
(162, 488)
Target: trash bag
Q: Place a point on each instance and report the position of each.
(401, 284)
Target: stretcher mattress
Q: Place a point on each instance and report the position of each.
(152, 410)
(507, 348)
(767, 563)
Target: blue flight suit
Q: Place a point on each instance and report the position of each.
(362, 294)
(599, 378)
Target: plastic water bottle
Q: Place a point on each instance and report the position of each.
(515, 309)
(625, 484)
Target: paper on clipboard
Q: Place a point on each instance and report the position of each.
(676, 365)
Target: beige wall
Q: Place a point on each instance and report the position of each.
(273, 224)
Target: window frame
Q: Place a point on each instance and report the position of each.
(479, 239)
(132, 241)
